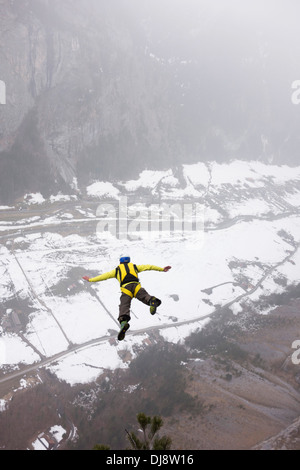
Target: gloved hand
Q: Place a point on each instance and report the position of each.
(86, 278)
(167, 268)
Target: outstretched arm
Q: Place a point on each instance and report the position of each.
(150, 267)
(102, 277)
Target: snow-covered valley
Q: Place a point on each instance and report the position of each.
(247, 247)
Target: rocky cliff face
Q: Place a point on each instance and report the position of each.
(77, 92)
(98, 89)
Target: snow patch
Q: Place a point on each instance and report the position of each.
(102, 189)
(34, 198)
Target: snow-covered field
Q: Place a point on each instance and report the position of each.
(42, 264)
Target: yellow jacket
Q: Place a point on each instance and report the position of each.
(113, 274)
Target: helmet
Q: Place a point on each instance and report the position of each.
(125, 259)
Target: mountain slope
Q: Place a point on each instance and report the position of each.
(102, 90)
(228, 274)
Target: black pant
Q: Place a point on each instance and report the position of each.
(125, 301)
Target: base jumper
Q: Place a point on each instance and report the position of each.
(127, 275)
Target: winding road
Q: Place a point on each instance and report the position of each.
(73, 348)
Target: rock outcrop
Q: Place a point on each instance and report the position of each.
(98, 89)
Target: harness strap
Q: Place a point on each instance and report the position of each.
(128, 292)
(127, 273)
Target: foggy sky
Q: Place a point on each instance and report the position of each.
(109, 83)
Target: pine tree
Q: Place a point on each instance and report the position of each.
(151, 439)
(101, 447)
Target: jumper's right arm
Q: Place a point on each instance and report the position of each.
(102, 277)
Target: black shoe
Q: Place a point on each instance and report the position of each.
(154, 303)
(124, 327)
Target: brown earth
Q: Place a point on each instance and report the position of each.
(248, 397)
(246, 402)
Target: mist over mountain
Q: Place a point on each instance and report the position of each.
(103, 90)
